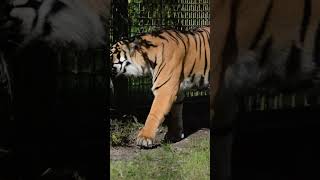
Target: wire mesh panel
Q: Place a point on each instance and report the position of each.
(147, 15)
(263, 100)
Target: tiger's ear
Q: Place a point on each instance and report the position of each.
(134, 45)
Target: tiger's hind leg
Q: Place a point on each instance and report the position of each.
(225, 108)
(175, 121)
(234, 80)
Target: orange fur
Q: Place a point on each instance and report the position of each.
(171, 57)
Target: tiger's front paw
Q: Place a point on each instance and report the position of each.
(146, 138)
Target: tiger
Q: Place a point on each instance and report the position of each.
(177, 61)
(57, 23)
(271, 43)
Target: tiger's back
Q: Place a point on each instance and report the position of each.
(191, 49)
(197, 60)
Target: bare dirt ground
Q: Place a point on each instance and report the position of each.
(131, 151)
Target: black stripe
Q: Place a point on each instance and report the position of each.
(265, 51)
(146, 43)
(161, 66)
(142, 69)
(177, 41)
(230, 50)
(127, 43)
(181, 38)
(205, 53)
(262, 28)
(208, 35)
(159, 71)
(201, 43)
(127, 64)
(306, 19)
(121, 63)
(201, 83)
(47, 29)
(57, 6)
(188, 40)
(125, 56)
(34, 4)
(162, 37)
(178, 34)
(163, 83)
(192, 78)
(155, 60)
(194, 62)
(206, 61)
(152, 64)
(146, 58)
(316, 49)
(35, 20)
(294, 61)
(196, 42)
(207, 32)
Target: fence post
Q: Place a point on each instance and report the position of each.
(120, 24)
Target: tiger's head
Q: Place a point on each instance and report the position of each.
(128, 58)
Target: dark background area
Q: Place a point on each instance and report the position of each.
(59, 118)
(54, 127)
(279, 144)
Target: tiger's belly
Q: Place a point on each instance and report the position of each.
(194, 82)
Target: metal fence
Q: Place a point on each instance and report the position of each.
(146, 16)
(264, 100)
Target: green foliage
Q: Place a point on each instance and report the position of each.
(146, 15)
(123, 131)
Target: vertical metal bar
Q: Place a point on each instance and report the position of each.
(120, 28)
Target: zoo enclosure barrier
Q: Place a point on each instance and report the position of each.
(140, 16)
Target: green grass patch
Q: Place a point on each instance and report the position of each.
(191, 162)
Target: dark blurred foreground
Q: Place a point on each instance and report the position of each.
(281, 144)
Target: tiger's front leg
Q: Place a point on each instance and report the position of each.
(161, 106)
(175, 120)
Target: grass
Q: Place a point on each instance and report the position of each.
(123, 130)
(191, 162)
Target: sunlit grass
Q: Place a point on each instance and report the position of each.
(191, 162)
